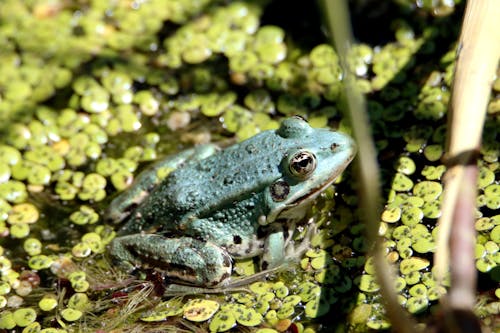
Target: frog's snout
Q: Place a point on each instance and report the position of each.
(344, 144)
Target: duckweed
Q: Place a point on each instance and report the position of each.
(286, 310)
(81, 250)
(19, 230)
(400, 283)
(21, 170)
(424, 244)
(316, 307)
(95, 99)
(402, 183)
(428, 190)
(47, 303)
(245, 316)
(53, 330)
(23, 213)
(245, 267)
(9, 155)
(5, 208)
(4, 172)
(94, 240)
(487, 256)
(39, 262)
(391, 215)
(78, 281)
(432, 209)
(368, 284)
(378, 324)
(266, 330)
(269, 44)
(418, 290)
(280, 289)
(413, 264)
(200, 310)
(306, 292)
(492, 193)
(69, 314)
(405, 165)
(433, 152)
(5, 264)
(360, 314)
(81, 286)
(222, 321)
(433, 173)
(7, 320)
(13, 191)
(434, 293)
(262, 306)
(4, 288)
(93, 188)
(85, 215)
(322, 239)
(32, 328)
(495, 234)
(411, 216)
(148, 104)
(485, 177)
(271, 317)
(260, 287)
(25, 316)
(32, 246)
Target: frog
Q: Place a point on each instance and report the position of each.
(216, 205)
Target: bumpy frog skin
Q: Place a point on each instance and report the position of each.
(218, 205)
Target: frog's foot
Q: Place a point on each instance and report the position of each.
(238, 284)
(186, 260)
(294, 252)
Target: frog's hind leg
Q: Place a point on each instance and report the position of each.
(185, 260)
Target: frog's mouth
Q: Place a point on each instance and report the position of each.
(311, 195)
(295, 208)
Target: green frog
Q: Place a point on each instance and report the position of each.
(219, 205)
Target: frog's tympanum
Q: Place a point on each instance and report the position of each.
(222, 204)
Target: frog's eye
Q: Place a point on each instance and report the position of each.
(302, 164)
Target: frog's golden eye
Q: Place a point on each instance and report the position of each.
(302, 164)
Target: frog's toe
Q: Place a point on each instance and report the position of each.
(294, 251)
(121, 257)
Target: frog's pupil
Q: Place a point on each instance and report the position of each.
(302, 163)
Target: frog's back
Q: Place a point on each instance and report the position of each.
(226, 176)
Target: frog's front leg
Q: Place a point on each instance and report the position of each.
(183, 259)
(279, 248)
(274, 249)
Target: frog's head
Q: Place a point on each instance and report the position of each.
(312, 160)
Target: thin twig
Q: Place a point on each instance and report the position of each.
(340, 26)
(477, 60)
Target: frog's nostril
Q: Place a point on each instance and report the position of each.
(334, 146)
